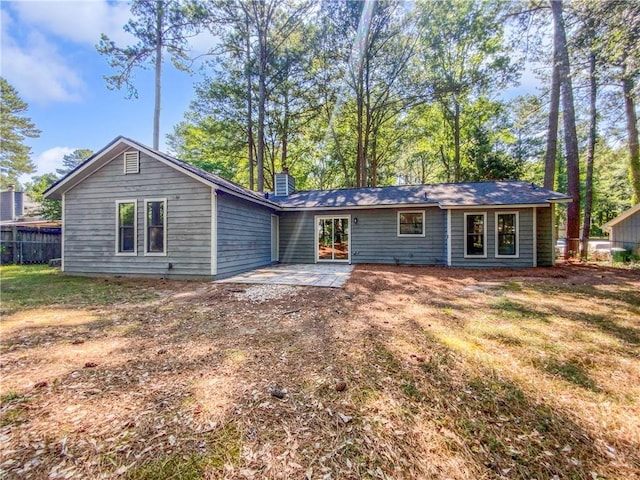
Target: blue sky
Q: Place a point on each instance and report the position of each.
(49, 57)
(48, 54)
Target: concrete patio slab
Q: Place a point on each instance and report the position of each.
(317, 275)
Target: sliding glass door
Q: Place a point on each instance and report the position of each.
(332, 234)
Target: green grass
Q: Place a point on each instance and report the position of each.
(10, 397)
(12, 417)
(175, 467)
(222, 447)
(31, 286)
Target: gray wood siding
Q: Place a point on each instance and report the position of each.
(545, 246)
(626, 234)
(244, 235)
(374, 238)
(458, 241)
(90, 222)
(297, 237)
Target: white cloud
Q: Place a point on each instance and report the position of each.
(49, 160)
(39, 73)
(36, 69)
(79, 22)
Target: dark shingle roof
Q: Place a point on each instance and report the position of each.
(444, 195)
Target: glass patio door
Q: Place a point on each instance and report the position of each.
(332, 234)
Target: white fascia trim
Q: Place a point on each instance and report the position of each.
(517, 254)
(449, 237)
(135, 228)
(358, 207)
(410, 235)
(561, 200)
(165, 234)
(484, 234)
(214, 232)
(64, 231)
(491, 207)
(535, 237)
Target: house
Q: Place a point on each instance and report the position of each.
(11, 204)
(132, 210)
(624, 230)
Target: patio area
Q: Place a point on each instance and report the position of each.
(318, 275)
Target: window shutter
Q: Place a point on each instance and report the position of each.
(131, 162)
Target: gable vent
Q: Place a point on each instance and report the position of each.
(131, 162)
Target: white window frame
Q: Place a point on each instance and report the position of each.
(130, 157)
(135, 228)
(484, 233)
(147, 201)
(424, 225)
(517, 233)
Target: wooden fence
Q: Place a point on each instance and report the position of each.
(22, 245)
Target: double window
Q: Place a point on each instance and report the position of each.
(506, 235)
(411, 224)
(155, 227)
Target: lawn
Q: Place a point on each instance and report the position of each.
(406, 373)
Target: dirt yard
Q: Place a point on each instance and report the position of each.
(406, 373)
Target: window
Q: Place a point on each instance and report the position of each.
(131, 162)
(411, 224)
(507, 234)
(155, 225)
(126, 227)
(475, 234)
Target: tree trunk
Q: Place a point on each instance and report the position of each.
(552, 133)
(359, 128)
(262, 100)
(158, 65)
(457, 171)
(632, 135)
(285, 131)
(367, 132)
(570, 135)
(588, 189)
(248, 74)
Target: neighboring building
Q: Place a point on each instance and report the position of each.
(131, 210)
(11, 204)
(624, 230)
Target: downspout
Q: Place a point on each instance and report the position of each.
(535, 236)
(64, 230)
(449, 237)
(214, 232)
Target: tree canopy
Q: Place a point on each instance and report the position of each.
(15, 128)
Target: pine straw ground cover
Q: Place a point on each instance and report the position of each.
(449, 374)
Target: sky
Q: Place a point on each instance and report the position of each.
(48, 55)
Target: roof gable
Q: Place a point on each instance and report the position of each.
(623, 216)
(122, 144)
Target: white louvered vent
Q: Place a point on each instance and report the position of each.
(131, 162)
